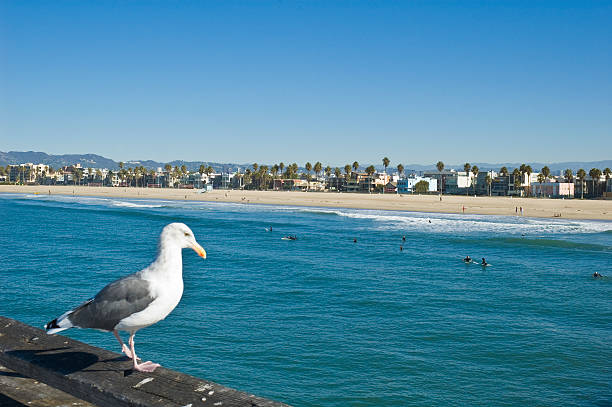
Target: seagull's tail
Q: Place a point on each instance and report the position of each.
(59, 324)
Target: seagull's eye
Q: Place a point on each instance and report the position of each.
(186, 234)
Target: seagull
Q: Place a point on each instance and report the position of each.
(138, 300)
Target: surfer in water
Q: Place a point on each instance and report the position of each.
(597, 275)
(403, 238)
(484, 262)
(467, 259)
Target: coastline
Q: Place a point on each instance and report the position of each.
(482, 205)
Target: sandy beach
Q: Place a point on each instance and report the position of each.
(532, 207)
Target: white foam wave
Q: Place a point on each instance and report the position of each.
(128, 204)
(457, 224)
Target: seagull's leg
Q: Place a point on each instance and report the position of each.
(124, 347)
(143, 367)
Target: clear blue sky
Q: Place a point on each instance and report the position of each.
(297, 81)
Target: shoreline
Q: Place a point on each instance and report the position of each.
(481, 205)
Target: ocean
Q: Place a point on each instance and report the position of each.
(326, 321)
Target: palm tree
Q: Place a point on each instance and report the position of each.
(78, 174)
(541, 179)
(440, 167)
(595, 174)
(528, 171)
(370, 171)
(328, 171)
(317, 168)
(608, 173)
(517, 176)
(308, 167)
(255, 166)
(400, 169)
(347, 171)
(275, 170)
(121, 165)
(355, 166)
(581, 174)
(489, 182)
(294, 170)
(137, 174)
(281, 166)
(386, 163)
(466, 168)
(475, 172)
(263, 175)
(503, 171)
(337, 173)
(546, 172)
(153, 175)
(569, 175)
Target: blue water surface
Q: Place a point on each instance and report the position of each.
(324, 321)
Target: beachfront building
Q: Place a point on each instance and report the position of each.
(406, 185)
(27, 173)
(316, 185)
(336, 184)
(552, 189)
(391, 187)
(290, 184)
(451, 181)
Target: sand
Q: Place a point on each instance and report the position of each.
(532, 207)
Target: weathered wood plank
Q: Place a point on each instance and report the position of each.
(17, 390)
(105, 378)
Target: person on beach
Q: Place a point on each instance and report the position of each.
(521, 211)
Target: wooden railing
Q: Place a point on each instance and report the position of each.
(104, 378)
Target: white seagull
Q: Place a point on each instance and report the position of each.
(140, 299)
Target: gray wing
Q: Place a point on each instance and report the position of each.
(116, 301)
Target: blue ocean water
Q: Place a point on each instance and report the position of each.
(324, 321)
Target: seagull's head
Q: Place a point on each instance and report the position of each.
(181, 235)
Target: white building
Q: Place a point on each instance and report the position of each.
(406, 185)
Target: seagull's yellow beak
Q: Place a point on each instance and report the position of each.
(199, 250)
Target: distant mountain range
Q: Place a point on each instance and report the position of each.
(97, 161)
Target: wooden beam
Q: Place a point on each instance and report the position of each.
(105, 378)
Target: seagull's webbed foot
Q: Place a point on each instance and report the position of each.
(125, 349)
(146, 366)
